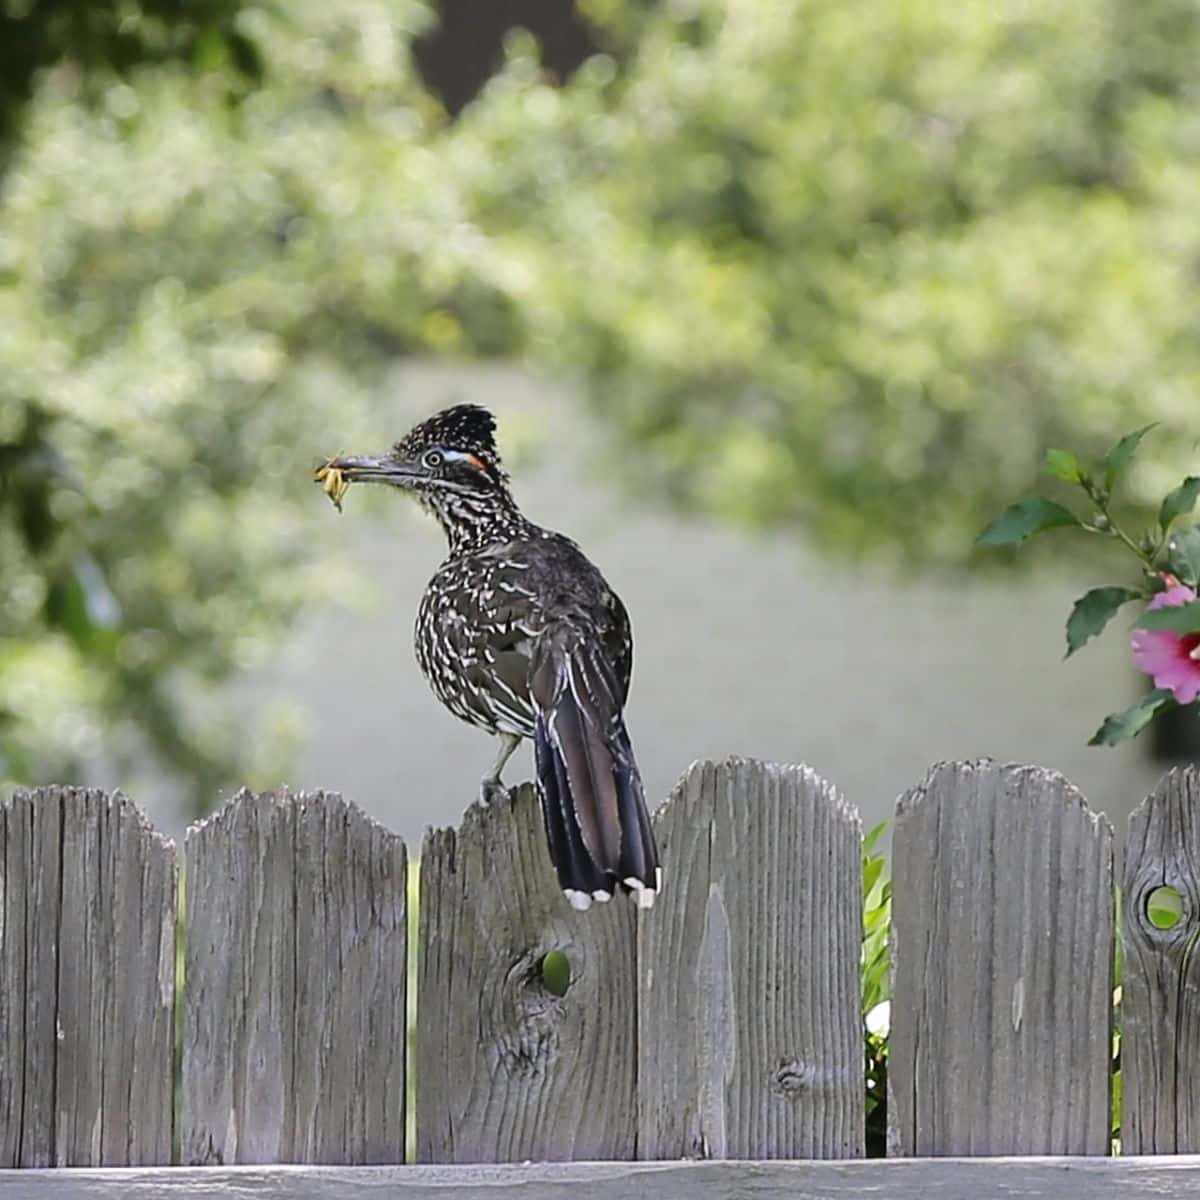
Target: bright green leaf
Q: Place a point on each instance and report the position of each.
(872, 869)
(1178, 618)
(1164, 907)
(873, 835)
(1180, 501)
(1065, 465)
(1120, 456)
(1022, 520)
(1183, 555)
(1093, 611)
(1119, 726)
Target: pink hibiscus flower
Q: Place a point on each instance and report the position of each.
(1173, 659)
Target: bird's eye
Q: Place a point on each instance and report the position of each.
(433, 458)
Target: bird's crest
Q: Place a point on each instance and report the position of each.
(467, 428)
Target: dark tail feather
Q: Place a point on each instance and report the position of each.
(597, 825)
(578, 875)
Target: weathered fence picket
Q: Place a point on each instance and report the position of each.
(507, 1069)
(1002, 920)
(750, 1024)
(1160, 1004)
(295, 1014)
(724, 1023)
(87, 999)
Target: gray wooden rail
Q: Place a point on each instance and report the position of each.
(889, 1179)
(723, 1024)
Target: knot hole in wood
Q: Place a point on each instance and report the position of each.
(530, 1013)
(792, 1078)
(1163, 910)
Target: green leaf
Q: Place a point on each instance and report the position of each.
(1064, 465)
(1178, 618)
(1119, 726)
(1120, 456)
(874, 834)
(1164, 907)
(1183, 555)
(1181, 500)
(871, 872)
(1021, 520)
(1093, 610)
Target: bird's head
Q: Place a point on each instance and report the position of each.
(451, 454)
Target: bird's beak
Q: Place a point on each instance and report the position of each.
(382, 469)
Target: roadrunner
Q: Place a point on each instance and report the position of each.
(519, 634)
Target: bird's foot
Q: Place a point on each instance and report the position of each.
(492, 791)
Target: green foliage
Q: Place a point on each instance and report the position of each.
(1181, 618)
(1093, 611)
(1183, 556)
(1064, 465)
(195, 302)
(1132, 720)
(876, 985)
(1179, 502)
(1025, 518)
(1117, 460)
(849, 266)
(1164, 908)
(556, 973)
(95, 40)
(842, 266)
(1159, 554)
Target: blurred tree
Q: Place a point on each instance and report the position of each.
(842, 265)
(854, 266)
(93, 43)
(101, 38)
(194, 299)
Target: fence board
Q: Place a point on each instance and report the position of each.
(895, 1179)
(87, 942)
(505, 1069)
(1160, 995)
(1002, 929)
(750, 1025)
(295, 1011)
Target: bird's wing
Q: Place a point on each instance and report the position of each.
(618, 642)
(502, 636)
(475, 651)
(500, 680)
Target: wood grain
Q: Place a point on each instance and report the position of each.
(87, 943)
(750, 1029)
(893, 1179)
(506, 1070)
(1160, 1004)
(1002, 928)
(294, 1012)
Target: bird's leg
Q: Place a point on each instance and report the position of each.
(490, 787)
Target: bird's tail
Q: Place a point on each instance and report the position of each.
(588, 783)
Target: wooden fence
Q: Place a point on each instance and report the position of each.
(724, 1024)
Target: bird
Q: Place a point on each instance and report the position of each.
(519, 634)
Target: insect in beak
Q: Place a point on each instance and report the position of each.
(333, 480)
